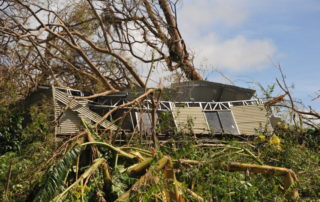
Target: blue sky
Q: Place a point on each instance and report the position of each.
(243, 38)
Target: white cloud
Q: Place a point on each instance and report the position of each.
(199, 22)
(236, 54)
(195, 14)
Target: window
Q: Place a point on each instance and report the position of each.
(227, 122)
(221, 122)
(214, 122)
(75, 93)
(62, 90)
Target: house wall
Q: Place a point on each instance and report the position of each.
(249, 118)
(69, 123)
(194, 114)
(73, 111)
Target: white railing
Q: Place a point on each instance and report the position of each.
(169, 105)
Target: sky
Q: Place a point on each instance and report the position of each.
(244, 41)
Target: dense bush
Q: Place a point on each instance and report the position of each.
(10, 130)
(25, 171)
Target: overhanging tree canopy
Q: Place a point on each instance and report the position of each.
(91, 41)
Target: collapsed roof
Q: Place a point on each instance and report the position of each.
(206, 91)
(192, 91)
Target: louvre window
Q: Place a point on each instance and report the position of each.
(214, 122)
(221, 122)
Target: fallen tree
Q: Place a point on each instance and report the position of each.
(146, 167)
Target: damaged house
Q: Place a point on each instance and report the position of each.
(200, 107)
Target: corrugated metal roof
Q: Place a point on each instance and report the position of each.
(206, 91)
(197, 91)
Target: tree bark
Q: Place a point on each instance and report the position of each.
(177, 48)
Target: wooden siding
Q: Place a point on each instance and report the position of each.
(249, 118)
(183, 114)
(70, 122)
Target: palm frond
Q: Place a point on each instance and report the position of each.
(54, 178)
(85, 175)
